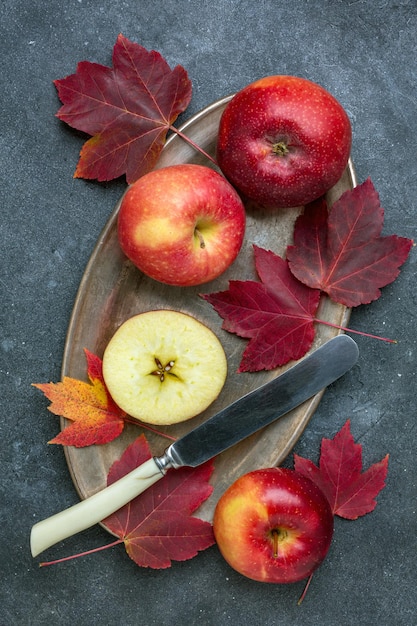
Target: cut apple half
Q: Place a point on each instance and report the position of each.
(164, 367)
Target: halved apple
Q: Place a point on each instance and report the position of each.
(164, 367)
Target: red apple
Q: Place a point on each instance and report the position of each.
(273, 525)
(181, 225)
(283, 141)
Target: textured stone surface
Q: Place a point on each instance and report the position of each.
(364, 52)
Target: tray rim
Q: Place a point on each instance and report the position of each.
(78, 301)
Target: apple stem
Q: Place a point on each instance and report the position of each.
(200, 238)
(193, 144)
(275, 542)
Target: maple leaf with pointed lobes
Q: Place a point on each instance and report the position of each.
(128, 109)
(276, 314)
(342, 252)
(157, 527)
(350, 491)
(95, 417)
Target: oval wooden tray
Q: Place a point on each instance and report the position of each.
(112, 290)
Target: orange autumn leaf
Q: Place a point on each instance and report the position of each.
(95, 417)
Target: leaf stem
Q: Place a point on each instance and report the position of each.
(303, 595)
(356, 332)
(193, 144)
(136, 422)
(77, 556)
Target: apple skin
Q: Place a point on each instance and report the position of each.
(182, 225)
(283, 114)
(273, 525)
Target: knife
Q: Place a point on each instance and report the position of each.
(237, 421)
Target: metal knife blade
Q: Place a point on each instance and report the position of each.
(263, 405)
(234, 423)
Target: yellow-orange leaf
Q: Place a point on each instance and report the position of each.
(95, 418)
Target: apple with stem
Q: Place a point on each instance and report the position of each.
(164, 367)
(182, 224)
(283, 141)
(273, 525)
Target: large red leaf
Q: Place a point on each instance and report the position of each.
(350, 491)
(276, 314)
(95, 418)
(342, 252)
(127, 109)
(157, 526)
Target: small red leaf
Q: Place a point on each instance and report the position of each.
(342, 252)
(157, 526)
(350, 491)
(127, 109)
(95, 417)
(277, 314)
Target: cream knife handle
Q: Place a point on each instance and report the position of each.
(88, 512)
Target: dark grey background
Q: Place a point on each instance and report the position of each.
(364, 52)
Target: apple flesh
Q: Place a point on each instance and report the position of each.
(273, 525)
(283, 141)
(182, 224)
(164, 367)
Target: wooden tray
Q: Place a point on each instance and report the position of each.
(112, 290)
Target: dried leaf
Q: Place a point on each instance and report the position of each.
(342, 252)
(157, 526)
(276, 314)
(95, 418)
(128, 109)
(350, 491)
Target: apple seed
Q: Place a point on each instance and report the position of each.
(162, 369)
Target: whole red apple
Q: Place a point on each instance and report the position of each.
(273, 525)
(283, 141)
(182, 224)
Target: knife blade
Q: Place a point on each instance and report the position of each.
(237, 421)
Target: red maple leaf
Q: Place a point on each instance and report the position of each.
(157, 526)
(342, 252)
(95, 417)
(128, 109)
(276, 314)
(350, 491)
